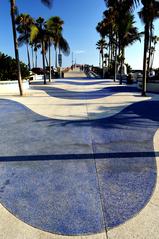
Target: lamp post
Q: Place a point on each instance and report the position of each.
(72, 60)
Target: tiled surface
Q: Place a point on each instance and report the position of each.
(104, 174)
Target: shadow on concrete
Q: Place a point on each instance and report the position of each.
(122, 159)
(117, 155)
(66, 94)
(84, 83)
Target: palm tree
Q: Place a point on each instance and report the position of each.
(50, 39)
(36, 46)
(98, 48)
(108, 28)
(103, 29)
(24, 23)
(13, 11)
(148, 13)
(101, 45)
(154, 40)
(48, 43)
(32, 54)
(38, 34)
(128, 4)
(63, 46)
(127, 35)
(54, 25)
(119, 30)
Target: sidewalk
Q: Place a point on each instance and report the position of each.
(75, 73)
(77, 161)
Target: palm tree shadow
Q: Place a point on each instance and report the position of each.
(83, 83)
(90, 95)
(138, 115)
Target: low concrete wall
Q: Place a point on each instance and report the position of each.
(151, 87)
(38, 77)
(12, 86)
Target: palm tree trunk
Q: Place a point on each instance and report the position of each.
(146, 43)
(43, 59)
(56, 57)
(29, 65)
(46, 60)
(115, 58)
(122, 63)
(12, 5)
(119, 47)
(49, 61)
(109, 59)
(102, 55)
(150, 43)
(60, 64)
(32, 51)
(152, 60)
(36, 59)
(99, 60)
(115, 64)
(111, 46)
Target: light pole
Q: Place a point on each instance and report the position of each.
(75, 62)
(72, 60)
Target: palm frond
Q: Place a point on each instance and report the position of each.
(48, 3)
(64, 46)
(34, 33)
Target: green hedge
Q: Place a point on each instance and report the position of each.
(8, 68)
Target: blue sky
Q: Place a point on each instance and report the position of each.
(80, 19)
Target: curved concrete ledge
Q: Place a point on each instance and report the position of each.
(63, 109)
(145, 224)
(44, 102)
(7, 87)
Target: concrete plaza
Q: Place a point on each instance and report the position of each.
(79, 159)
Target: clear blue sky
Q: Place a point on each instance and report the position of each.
(80, 19)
